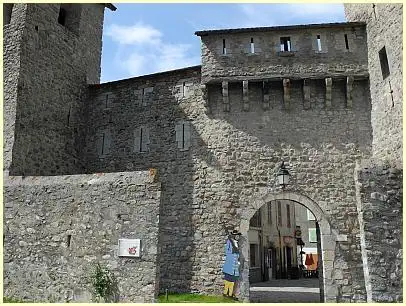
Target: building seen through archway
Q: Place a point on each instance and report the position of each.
(284, 253)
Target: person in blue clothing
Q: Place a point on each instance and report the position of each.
(231, 268)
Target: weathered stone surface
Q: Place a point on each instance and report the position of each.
(86, 207)
(269, 62)
(381, 229)
(232, 154)
(384, 28)
(55, 64)
(57, 124)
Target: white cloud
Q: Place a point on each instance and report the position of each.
(142, 50)
(136, 34)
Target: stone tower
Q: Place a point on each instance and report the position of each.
(379, 185)
(51, 53)
(384, 39)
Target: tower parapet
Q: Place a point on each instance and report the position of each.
(294, 52)
(52, 52)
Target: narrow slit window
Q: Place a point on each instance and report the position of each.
(62, 16)
(252, 45)
(346, 42)
(288, 215)
(279, 213)
(318, 43)
(107, 101)
(141, 134)
(224, 47)
(69, 116)
(184, 89)
(383, 58)
(68, 240)
(142, 95)
(285, 44)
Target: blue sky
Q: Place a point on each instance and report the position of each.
(143, 38)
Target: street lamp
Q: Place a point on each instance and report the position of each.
(283, 176)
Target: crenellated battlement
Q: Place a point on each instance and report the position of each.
(293, 52)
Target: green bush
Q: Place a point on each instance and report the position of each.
(11, 300)
(104, 284)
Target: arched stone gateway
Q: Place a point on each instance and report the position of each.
(328, 239)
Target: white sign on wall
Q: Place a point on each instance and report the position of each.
(129, 247)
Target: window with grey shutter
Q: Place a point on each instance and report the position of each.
(103, 143)
(106, 100)
(143, 96)
(182, 130)
(141, 140)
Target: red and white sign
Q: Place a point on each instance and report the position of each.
(129, 247)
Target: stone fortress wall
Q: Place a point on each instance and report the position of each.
(211, 161)
(217, 143)
(56, 227)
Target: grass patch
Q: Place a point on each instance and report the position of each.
(11, 300)
(194, 298)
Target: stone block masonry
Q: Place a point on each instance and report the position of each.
(231, 154)
(45, 129)
(385, 48)
(380, 191)
(268, 60)
(57, 228)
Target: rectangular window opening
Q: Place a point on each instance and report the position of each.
(256, 219)
(252, 45)
(312, 235)
(183, 89)
(310, 216)
(288, 215)
(62, 16)
(142, 96)
(285, 44)
(318, 43)
(70, 16)
(346, 42)
(68, 240)
(224, 47)
(383, 58)
(279, 213)
(253, 255)
(7, 12)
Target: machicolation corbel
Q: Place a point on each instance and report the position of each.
(306, 94)
(329, 83)
(286, 93)
(226, 99)
(245, 96)
(350, 82)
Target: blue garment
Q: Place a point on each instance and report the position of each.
(231, 265)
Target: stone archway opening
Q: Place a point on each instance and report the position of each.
(270, 255)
